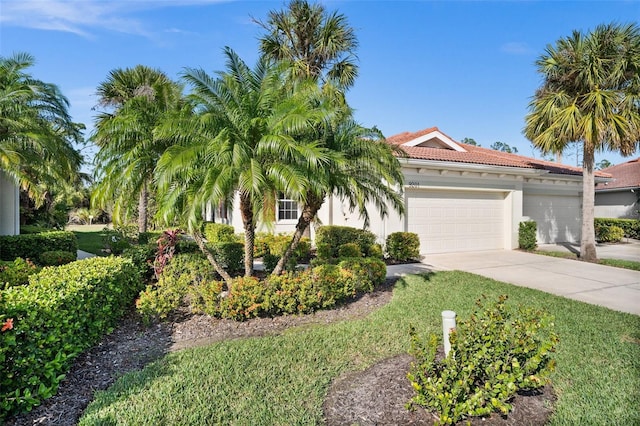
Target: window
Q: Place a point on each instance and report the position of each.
(287, 209)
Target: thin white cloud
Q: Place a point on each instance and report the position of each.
(516, 48)
(84, 17)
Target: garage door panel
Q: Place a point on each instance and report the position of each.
(450, 221)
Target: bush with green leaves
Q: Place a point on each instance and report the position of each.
(330, 238)
(61, 312)
(494, 354)
(33, 229)
(349, 250)
(527, 239)
(142, 256)
(230, 255)
(57, 257)
(116, 241)
(271, 247)
(631, 227)
(16, 273)
(403, 246)
(178, 279)
(30, 246)
(609, 233)
(219, 233)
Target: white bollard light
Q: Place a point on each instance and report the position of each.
(448, 324)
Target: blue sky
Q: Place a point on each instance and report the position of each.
(464, 66)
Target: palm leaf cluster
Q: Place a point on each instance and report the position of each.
(36, 131)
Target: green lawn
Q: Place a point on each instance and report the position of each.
(90, 238)
(282, 380)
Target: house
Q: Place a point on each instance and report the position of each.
(9, 207)
(461, 197)
(620, 198)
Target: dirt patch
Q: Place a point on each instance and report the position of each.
(378, 396)
(132, 345)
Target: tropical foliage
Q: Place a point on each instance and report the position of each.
(590, 93)
(139, 99)
(36, 131)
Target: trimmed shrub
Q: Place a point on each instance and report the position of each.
(375, 251)
(271, 247)
(230, 255)
(30, 246)
(335, 236)
(142, 257)
(16, 273)
(61, 312)
(631, 227)
(57, 257)
(609, 234)
(370, 272)
(219, 233)
(183, 272)
(149, 237)
(349, 250)
(527, 239)
(33, 229)
(494, 354)
(403, 246)
(248, 298)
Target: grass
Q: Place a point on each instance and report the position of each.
(90, 238)
(282, 380)
(618, 263)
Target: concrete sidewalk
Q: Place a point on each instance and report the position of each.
(614, 288)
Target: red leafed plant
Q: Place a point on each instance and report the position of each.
(166, 249)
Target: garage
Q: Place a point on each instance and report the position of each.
(558, 217)
(456, 221)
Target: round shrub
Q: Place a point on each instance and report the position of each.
(247, 298)
(403, 246)
(527, 239)
(609, 234)
(57, 257)
(349, 250)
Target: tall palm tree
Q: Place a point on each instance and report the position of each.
(36, 130)
(318, 44)
(139, 98)
(363, 170)
(240, 140)
(590, 94)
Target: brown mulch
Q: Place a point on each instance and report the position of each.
(376, 396)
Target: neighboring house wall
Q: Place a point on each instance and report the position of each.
(9, 207)
(621, 204)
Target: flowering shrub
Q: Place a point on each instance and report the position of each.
(494, 354)
(62, 311)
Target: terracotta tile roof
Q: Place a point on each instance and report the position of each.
(479, 155)
(625, 175)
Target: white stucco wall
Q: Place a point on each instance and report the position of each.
(618, 204)
(9, 207)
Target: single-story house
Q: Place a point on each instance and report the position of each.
(9, 207)
(620, 198)
(460, 197)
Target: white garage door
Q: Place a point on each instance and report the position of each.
(558, 217)
(452, 221)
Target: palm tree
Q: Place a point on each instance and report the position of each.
(363, 170)
(240, 140)
(318, 44)
(140, 97)
(590, 94)
(36, 130)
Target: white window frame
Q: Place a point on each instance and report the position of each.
(291, 209)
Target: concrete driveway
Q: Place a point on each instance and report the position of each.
(614, 288)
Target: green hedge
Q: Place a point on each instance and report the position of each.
(30, 246)
(330, 238)
(631, 227)
(527, 239)
(61, 312)
(403, 246)
(290, 293)
(219, 233)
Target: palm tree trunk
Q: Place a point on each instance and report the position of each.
(142, 209)
(588, 239)
(246, 210)
(309, 211)
(197, 236)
